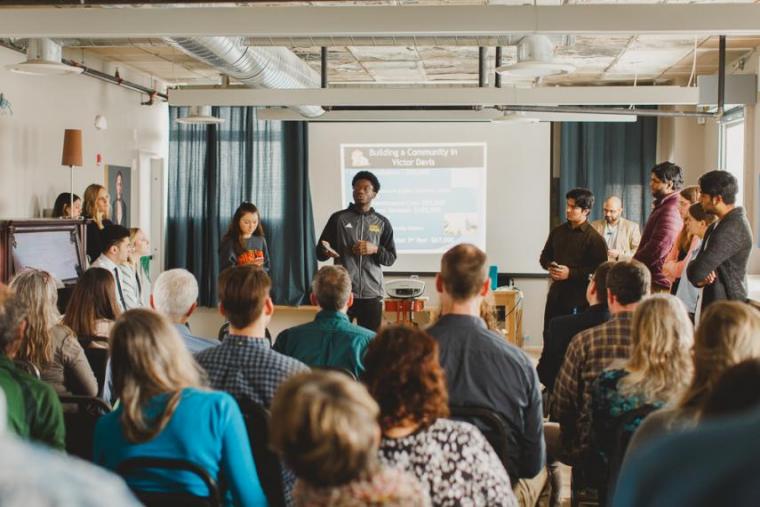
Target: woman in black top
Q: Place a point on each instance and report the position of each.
(96, 207)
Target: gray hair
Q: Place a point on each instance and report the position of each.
(12, 314)
(332, 287)
(174, 292)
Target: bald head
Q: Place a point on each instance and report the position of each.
(613, 208)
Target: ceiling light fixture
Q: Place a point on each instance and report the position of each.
(200, 115)
(43, 58)
(535, 59)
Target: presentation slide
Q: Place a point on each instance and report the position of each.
(434, 194)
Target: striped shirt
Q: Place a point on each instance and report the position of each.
(589, 354)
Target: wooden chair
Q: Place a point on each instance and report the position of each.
(79, 418)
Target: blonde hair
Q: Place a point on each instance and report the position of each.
(324, 425)
(728, 333)
(90, 204)
(488, 314)
(36, 290)
(662, 336)
(148, 358)
(131, 259)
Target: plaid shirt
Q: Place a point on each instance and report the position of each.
(248, 368)
(590, 352)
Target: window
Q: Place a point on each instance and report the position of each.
(731, 146)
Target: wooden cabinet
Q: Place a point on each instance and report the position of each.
(508, 306)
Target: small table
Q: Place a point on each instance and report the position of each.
(508, 305)
(405, 308)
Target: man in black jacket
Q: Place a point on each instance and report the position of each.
(720, 266)
(361, 240)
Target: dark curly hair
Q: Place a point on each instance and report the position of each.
(366, 175)
(405, 378)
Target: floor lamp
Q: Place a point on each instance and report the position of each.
(72, 157)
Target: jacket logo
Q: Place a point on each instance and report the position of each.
(348, 226)
(374, 228)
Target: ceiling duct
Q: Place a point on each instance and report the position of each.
(255, 67)
(535, 59)
(43, 58)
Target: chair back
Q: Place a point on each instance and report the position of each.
(492, 424)
(268, 463)
(98, 359)
(80, 415)
(131, 466)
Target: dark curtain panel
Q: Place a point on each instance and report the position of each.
(212, 169)
(609, 159)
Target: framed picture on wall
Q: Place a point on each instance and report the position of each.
(119, 184)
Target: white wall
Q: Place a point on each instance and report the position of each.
(31, 140)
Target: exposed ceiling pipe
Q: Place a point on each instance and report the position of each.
(277, 68)
(609, 110)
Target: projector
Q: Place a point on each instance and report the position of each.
(409, 288)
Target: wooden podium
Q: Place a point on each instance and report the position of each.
(508, 306)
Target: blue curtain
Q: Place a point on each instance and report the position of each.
(609, 159)
(212, 169)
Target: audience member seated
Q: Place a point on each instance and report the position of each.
(561, 330)
(92, 308)
(483, 369)
(97, 208)
(589, 353)
(48, 345)
(697, 221)
(727, 335)
(714, 464)
(175, 296)
(34, 411)
(656, 373)
(331, 340)
(139, 262)
(63, 209)
(33, 475)
(165, 412)
(679, 255)
(735, 392)
(451, 459)
(324, 426)
(115, 253)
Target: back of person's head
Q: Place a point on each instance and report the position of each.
(36, 290)
(12, 315)
(366, 175)
(721, 184)
(62, 203)
(583, 197)
(93, 299)
(735, 392)
(727, 335)
(600, 281)
(698, 213)
(488, 314)
(112, 235)
(628, 281)
(90, 204)
(175, 291)
(324, 426)
(404, 376)
(148, 358)
(332, 287)
(463, 271)
(690, 193)
(243, 291)
(668, 172)
(661, 338)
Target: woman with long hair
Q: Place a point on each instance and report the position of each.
(166, 412)
(696, 222)
(726, 335)
(63, 209)
(451, 459)
(47, 344)
(92, 308)
(244, 242)
(139, 260)
(656, 373)
(96, 208)
(676, 260)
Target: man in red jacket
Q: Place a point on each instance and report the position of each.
(664, 223)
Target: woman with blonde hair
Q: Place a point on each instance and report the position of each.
(50, 346)
(324, 426)
(165, 412)
(656, 373)
(96, 207)
(728, 334)
(134, 273)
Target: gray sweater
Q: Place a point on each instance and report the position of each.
(725, 250)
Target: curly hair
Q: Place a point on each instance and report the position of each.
(405, 378)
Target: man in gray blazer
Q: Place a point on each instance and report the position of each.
(720, 266)
(622, 236)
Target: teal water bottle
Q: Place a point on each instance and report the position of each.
(493, 274)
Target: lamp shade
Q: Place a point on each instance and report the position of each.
(72, 148)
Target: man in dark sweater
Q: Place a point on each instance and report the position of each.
(721, 263)
(561, 329)
(572, 253)
(664, 223)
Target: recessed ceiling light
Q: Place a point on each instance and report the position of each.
(43, 58)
